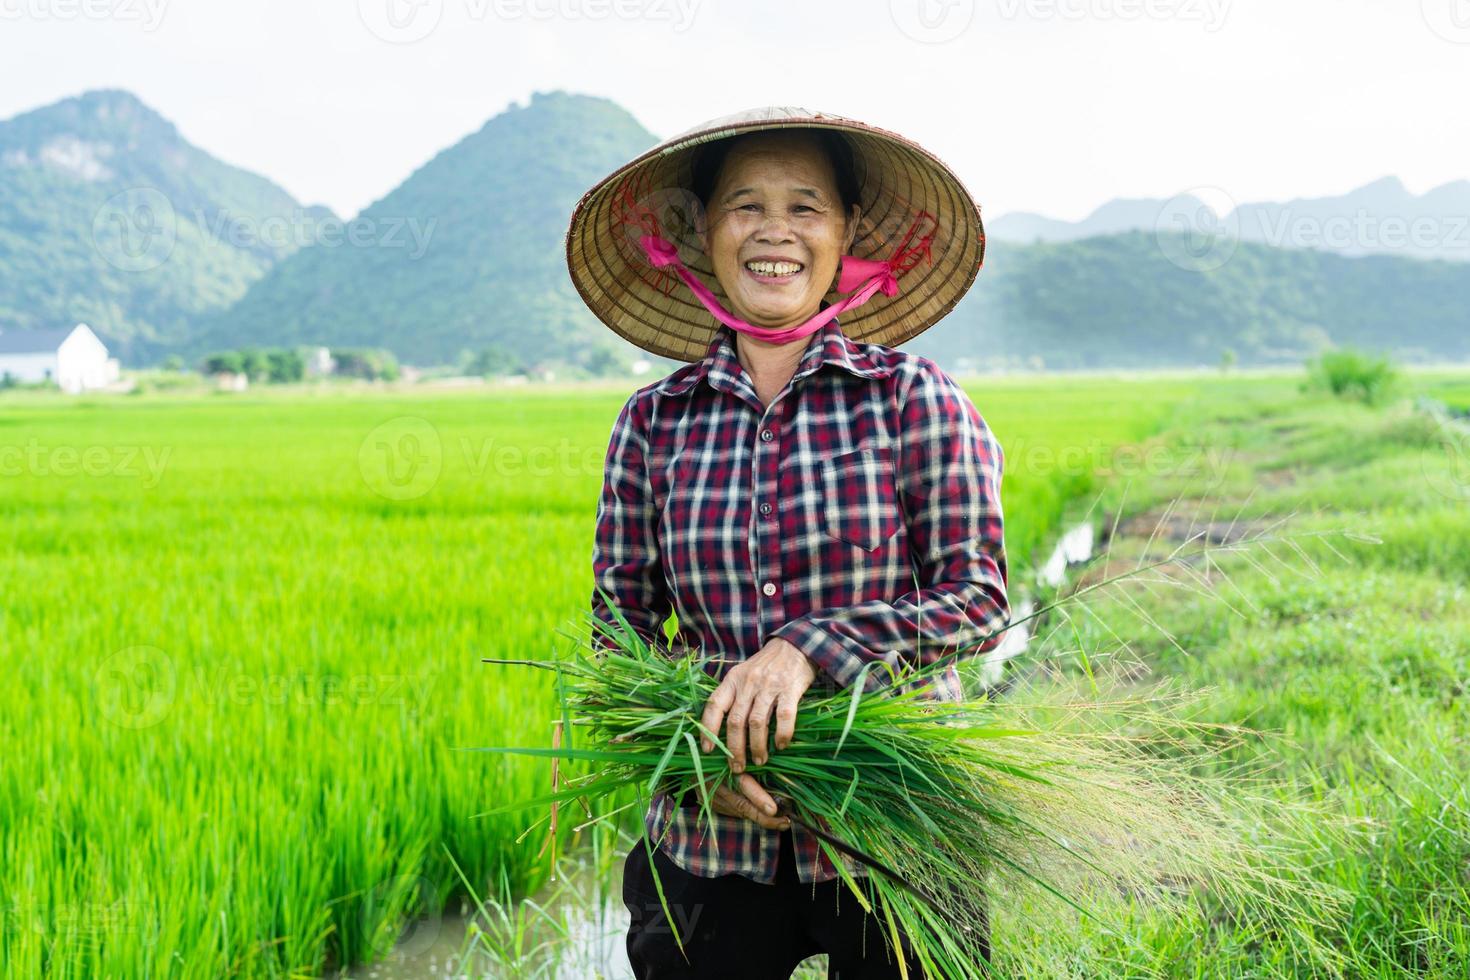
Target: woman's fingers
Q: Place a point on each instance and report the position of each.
(786, 718)
(774, 678)
(714, 710)
(734, 804)
(760, 726)
(753, 791)
(735, 723)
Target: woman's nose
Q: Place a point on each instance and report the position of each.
(776, 227)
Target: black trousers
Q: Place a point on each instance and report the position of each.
(736, 927)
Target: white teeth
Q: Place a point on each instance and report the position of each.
(774, 268)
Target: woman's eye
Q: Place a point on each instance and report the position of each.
(799, 207)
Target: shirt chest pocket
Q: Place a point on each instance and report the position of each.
(860, 496)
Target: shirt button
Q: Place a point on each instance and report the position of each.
(767, 435)
(769, 588)
(765, 508)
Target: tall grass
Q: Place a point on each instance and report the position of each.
(1361, 666)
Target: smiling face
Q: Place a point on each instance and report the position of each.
(776, 228)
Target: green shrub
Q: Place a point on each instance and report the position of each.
(371, 363)
(1349, 373)
(223, 362)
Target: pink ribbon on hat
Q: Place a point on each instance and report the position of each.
(862, 278)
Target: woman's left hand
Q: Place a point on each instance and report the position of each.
(775, 678)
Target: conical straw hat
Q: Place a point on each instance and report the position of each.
(655, 310)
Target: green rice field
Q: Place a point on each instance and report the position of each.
(242, 637)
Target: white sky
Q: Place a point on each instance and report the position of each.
(1053, 106)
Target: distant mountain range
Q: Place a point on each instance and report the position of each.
(1381, 218)
(108, 216)
(1141, 299)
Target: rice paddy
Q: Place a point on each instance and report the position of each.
(242, 637)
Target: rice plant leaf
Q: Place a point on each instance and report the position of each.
(566, 708)
(663, 762)
(658, 886)
(599, 623)
(903, 965)
(653, 722)
(847, 798)
(834, 856)
(602, 787)
(709, 814)
(852, 707)
(588, 755)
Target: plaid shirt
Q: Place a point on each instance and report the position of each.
(858, 517)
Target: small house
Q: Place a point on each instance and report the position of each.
(73, 357)
(319, 362)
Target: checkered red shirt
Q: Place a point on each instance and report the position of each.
(857, 517)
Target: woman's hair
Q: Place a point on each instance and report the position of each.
(709, 158)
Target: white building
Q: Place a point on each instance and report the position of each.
(232, 381)
(73, 357)
(319, 362)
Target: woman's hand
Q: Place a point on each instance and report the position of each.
(751, 801)
(775, 678)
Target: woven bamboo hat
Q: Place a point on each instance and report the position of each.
(900, 184)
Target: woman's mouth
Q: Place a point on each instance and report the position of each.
(773, 273)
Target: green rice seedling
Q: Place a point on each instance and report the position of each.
(571, 928)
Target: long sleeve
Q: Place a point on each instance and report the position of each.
(625, 556)
(949, 475)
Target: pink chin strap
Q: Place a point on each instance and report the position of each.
(861, 278)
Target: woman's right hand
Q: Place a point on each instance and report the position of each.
(750, 801)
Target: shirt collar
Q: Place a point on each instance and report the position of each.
(826, 345)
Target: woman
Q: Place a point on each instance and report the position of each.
(805, 497)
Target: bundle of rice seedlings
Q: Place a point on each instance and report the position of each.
(937, 799)
(1086, 801)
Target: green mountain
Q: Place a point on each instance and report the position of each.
(108, 216)
(465, 254)
(1380, 218)
(1141, 300)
